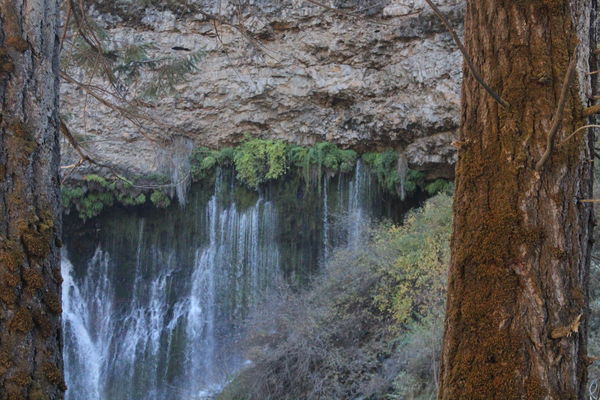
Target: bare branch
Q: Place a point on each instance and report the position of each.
(560, 108)
(66, 27)
(64, 130)
(84, 157)
(588, 112)
(578, 130)
(133, 116)
(468, 60)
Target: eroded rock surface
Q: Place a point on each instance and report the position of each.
(389, 77)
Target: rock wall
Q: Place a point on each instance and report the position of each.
(364, 74)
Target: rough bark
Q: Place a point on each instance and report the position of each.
(521, 241)
(30, 336)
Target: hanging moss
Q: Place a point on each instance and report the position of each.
(95, 193)
(93, 203)
(131, 200)
(321, 158)
(204, 161)
(385, 168)
(257, 161)
(70, 194)
(160, 199)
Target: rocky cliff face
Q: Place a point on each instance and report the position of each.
(364, 74)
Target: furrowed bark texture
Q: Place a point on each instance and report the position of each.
(521, 241)
(30, 336)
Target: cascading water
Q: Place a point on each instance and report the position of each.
(154, 300)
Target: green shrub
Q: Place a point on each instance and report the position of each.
(421, 264)
(257, 161)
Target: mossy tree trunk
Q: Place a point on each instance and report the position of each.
(30, 335)
(521, 241)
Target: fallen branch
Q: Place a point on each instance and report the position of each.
(468, 60)
(560, 108)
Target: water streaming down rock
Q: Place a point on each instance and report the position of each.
(154, 300)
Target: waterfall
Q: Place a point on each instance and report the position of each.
(325, 222)
(83, 354)
(402, 170)
(174, 160)
(358, 193)
(154, 301)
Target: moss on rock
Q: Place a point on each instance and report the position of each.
(256, 162)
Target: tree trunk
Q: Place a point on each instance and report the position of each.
(522, 238)
(30, 334)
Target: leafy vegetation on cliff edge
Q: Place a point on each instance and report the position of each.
(256, 162)
(90, 196)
